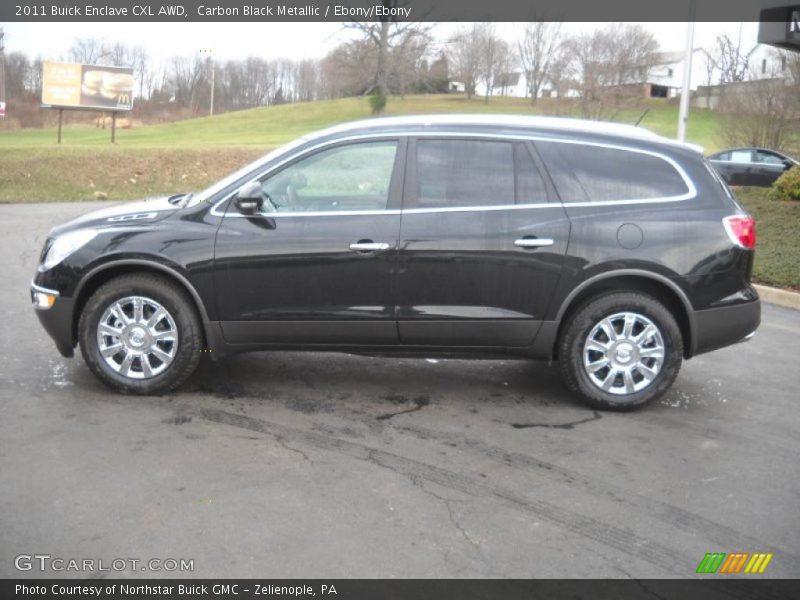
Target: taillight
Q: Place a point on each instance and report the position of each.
(742, 230)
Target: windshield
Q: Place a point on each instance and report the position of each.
(220, 185)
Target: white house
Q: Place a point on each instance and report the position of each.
(664, 79)
(515, 85)
(766, 62)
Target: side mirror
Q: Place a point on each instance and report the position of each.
(250, 198)
(787, 164)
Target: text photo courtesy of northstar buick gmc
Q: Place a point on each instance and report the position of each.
(606, 248)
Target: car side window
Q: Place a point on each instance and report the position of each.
(741, 156)
(354, 177)
(464, 173)
(768, 158)
(594, 173)
(722, 157)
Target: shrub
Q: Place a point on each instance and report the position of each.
(787, 186)
(377, 100)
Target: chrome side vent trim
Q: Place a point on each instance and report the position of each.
(134, 217)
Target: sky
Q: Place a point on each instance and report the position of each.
(51, 41)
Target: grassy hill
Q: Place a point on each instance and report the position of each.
(190, 154)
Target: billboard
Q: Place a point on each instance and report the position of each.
(70, 85)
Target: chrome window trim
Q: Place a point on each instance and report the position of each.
(321, 213)
(448, 209)
(748, 162)
(691, 189)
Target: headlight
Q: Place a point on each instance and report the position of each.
(66, 244)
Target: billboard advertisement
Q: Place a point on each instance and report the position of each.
(70, 85)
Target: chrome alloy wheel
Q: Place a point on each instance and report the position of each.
(137, 337)
(623, 353)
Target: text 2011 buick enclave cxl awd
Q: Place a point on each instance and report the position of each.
(612, 250)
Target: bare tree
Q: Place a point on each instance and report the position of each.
(17, 69)
(538, 46)
(465, 57)
(505, 64)
(383, 35)
(488, 44)
(306, 77)
(437, 78)
(88, 51)
(348, 70)
(733, 60)
(562, 72)
(631, 51)
(406, 60)
(760, 113)
(710, 70)
(187, 78)
(589, 57)
(493, 56)
(611, 64)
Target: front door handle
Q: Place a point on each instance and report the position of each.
(532, 242)
(369, 246)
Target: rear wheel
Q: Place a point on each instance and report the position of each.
(621, 350)
(140, 335)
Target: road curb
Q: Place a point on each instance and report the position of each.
(777, 296)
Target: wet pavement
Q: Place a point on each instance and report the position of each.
(325, 465)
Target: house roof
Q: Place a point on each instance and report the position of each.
(666, 58)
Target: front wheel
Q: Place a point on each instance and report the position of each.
(621, 350)
(140, 335)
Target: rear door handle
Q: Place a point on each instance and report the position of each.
(367, 246)
(533, 242)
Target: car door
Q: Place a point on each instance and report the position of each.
(722, 164)
(768, 167)
(317, 264)
(735, 166)
(481, 243)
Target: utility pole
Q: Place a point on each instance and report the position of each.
(683, 114)
(2, 75)
(213, 77)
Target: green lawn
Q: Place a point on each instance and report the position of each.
(271, 126)
(778, 234)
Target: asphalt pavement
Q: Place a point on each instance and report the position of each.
(326, 465)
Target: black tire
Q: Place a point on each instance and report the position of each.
(179, 306)
(582, 323)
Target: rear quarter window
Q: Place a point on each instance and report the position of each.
(594, 173)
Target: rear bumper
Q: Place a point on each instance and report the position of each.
(719, 327)
(57, 321)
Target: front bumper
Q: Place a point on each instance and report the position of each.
(57, 319)
(719, 327)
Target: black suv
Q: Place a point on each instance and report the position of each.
(610, 249)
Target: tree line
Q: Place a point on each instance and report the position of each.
(595, 69)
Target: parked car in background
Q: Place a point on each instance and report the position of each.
(608, 248)
(751, 166)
